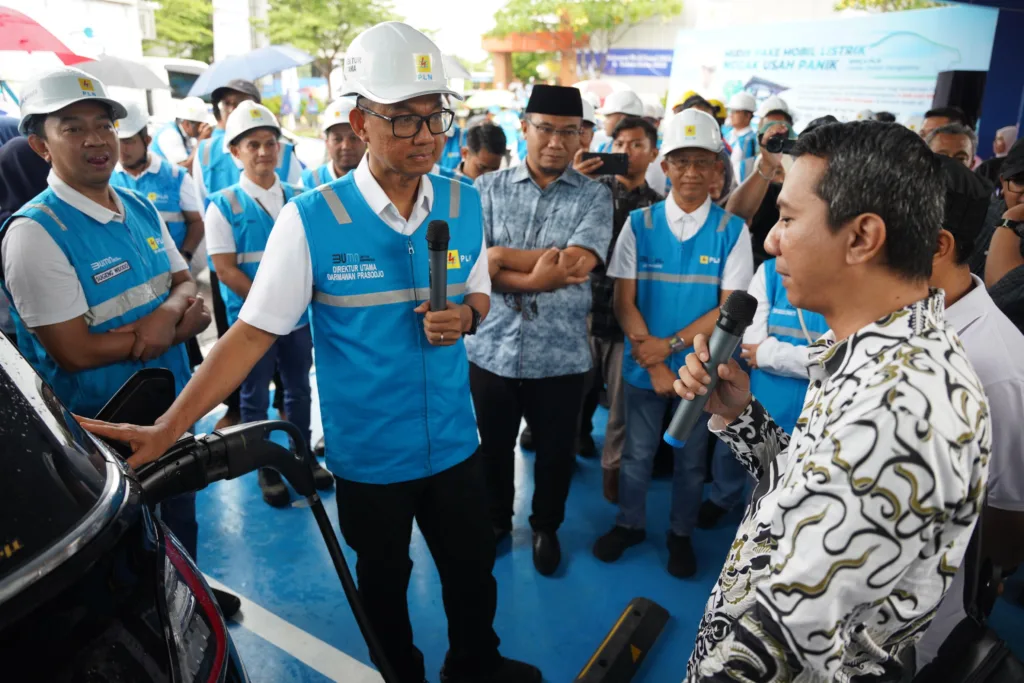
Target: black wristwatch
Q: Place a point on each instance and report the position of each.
(1016, 226)
(476, 321)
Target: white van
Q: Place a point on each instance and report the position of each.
(180, 74)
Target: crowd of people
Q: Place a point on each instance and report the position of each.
(864, 426)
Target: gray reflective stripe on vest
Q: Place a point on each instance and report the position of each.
(49, 212)
(206, 153)
(780, 331)
(724, 222)
(680, 279)
(236, 206)
(334, 204)
(648, 218)
(397, 296)
(249, 257)
(172, 216)
(453, 209)
(128, 300)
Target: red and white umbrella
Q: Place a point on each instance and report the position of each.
(20, 33)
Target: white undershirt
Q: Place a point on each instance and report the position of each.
(44, 286)
(186, 196)
(283, 287)
(171, 143)
(739, 265)
(220, 235)
(774, 355)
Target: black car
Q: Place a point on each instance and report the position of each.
(93, 587)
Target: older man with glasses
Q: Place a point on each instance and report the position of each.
(547, 226)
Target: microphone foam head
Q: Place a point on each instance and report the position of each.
(740, 307)
(437, 234)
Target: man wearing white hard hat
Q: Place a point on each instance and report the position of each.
(674, 263)
(165, 184)
(175, 141)
(617, 106)
(356, 250)
(344, 148)
(99, 290)
(740, 136)
(589, 124)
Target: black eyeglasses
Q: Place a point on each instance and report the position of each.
(547, 131)
(409, 125)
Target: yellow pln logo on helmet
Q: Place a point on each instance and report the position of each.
(255, 114)
(690, 131)
(87, 86)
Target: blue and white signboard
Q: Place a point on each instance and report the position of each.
(626, 62)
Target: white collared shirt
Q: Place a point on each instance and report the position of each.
(44, 286)
(773, 354)
(220, 236)
(739, 266)
(172, 142)
(283, 287)
(186, 195)
(294, 174)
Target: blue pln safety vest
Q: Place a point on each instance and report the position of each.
(451, 155)
(451, 174)
(394, 407)
(315, 177)
(676, 282)
(748, 143)
(154, 147)
(251, 226)
(163, 188)
(220, 170)
(783, 397)
(125, 275)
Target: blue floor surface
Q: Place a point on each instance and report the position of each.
(276, 558)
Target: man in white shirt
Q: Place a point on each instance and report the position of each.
(995, 348)
(674, 264)
(176, 141)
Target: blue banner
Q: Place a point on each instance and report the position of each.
(638, 62)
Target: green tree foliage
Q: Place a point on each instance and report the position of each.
(887, 5)
(184, 28)
(524, 64)
(323, 28)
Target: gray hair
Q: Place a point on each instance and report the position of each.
(955, 129)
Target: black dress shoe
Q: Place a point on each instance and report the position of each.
(547, 553)
(526, 439)
(322, 479)
(610, 547)
(682, 562)
(509, 671)
(585, 446)
(709, 515)
(229, 604)
(275, 493)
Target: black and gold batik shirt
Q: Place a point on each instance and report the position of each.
(860, 519)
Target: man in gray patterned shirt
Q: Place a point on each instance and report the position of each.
(547, 226)
(861, 517)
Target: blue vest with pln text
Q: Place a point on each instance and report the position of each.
(394, 407)
(220, 170)
(782, 396)
(315, 177)
(154, 146)
(163, 188)
(251, 226)
(125, 274)
(676, 282)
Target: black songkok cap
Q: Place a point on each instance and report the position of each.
(555, 100)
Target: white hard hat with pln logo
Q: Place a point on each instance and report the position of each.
(623, 102)
(742, 101)
(247, 116)
(133, 123)
(692, 128)
(393, 62)
(192, 109)
(59, 88)
(336, 113)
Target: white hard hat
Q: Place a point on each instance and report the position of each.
(337, 112)
(692, 128)
(914, 123)
(774, 103)
(247, 116)
(865, 115)
(742, 101)
(593, 98)
(653, 110)
(133, 123)
(192, 109)
(588, 113)
(59, 88)
(393, 62)
(623, 102)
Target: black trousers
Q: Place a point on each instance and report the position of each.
(220, 318)
(450, 509)
(552, 408)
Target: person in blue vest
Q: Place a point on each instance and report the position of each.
(99, 291)
(674, 263)
(739, 134)
(175, 141)
(451, 154)
(165, 184)
(344, 148)
(240, 219)
(392, 374)
(484, 151)
(617, 106)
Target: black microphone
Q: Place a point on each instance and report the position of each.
(736, 314)
(437, 247)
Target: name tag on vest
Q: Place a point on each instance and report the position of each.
(110, 273)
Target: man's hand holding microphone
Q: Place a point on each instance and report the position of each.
(729, 398)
